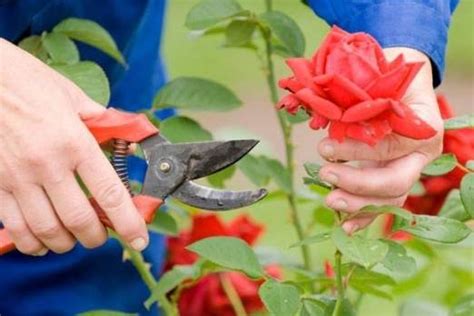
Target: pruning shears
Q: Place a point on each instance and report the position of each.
(171, 167)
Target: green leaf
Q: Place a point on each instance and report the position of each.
(459, 122)
(299, 117)
(470, 165)
(312, 308)
(390, 209)
(164, 223)
(34, 45)
(91, 33)
(312, 169)
(417, 189)
(324, 216)
(313, 239)
(60, 48)
(453, 207)
(279, 298)
(440, 229)
(103, 312)
(397, 259)
(286, 31)
(252, 167)
(463, 307)
(362, 275)
(365, 252)
(89, 77)
(218, 179)
(371, 289)
(182, 129)
(467, 193)
(421, 308)
(443, 164)
(209, 12)
(192, 93)
(277, 172)
(239, 32)
(229, 252)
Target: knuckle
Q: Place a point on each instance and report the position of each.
(63, 246)
(397, 186)
(95, 242)
(29, 247)
(47, 231)
(112, 196)
(78, 219)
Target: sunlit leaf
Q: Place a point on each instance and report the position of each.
(164, 223)
(60, 48)
(437, 228)
(453, 207)
(279, 298)
(467, 193)
(34, 45)
(239, 32)
(206, 13)
(443, 164)
(182, 129)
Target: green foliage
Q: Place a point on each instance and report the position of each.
(196, 94)
(440, 229)
(453, 207)
(91, 33)
(209, 12)
(60, 49)
(463, 307)
(164, 223)
(239, 32)
(252, 167)
(366, 252)
(182, 129)
(89, 77)
(313, 239)
(103, 312)
(285, 29)
(312, 169)
(34, 45)
(370, 282)
(444, 164)
(279, 298)
(467, 193)
(229, 252)
(218, 179)
(419, 307)
(397, 260)
(459, 122)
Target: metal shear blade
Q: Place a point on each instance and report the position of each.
(172, 166)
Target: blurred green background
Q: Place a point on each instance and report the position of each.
(239, 69)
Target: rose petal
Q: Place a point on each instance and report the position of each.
(341, 91)
(397, 108)
(319, 58)
(411, 125)
(444, 107)
(301, 68)
(246, 229)
(207, 226)
(361, 133)
(319, 105)
(337, 131)
(380, 128)
(290, 84)
(290, 102)
(318, 121)
(414, 68)
(397, 62)
(365, 110)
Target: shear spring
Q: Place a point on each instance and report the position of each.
(119, 160)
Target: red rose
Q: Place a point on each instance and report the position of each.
(350, 86)
(459, 142)
(207, 297)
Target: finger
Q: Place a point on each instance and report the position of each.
(392, 180)
(42, 220)
(112, 196)
(392, 147)
(75, 211)
(346, 202)
(17, 229)
(360, 222)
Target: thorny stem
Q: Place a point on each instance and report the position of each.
(143, 269)
(232, 295)
(287, 131)
(339, 283)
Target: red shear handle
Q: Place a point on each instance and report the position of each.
(146, 206)
(112, 124)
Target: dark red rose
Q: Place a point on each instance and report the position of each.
(350, 86)
(207, 297)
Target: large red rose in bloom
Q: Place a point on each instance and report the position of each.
(207, 297)
(459, 142)
(350, 86)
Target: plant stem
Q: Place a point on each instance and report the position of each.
(233, 296)
(460, 166)
(339, 282)
(143, 269)
(287, 132)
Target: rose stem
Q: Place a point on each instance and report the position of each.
(232, 294)
(339, 282)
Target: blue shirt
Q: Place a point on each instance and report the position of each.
(97, 279)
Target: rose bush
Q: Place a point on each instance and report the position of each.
(349, 85)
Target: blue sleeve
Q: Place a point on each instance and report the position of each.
(418, 24)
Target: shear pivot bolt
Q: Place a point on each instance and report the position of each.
(165, 167)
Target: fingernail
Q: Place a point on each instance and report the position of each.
(350, 228)
(138, 244)
(330, 177)
(339, 205)
(41, 253)
(327, 150)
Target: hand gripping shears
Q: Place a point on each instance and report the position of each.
(171, 167)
